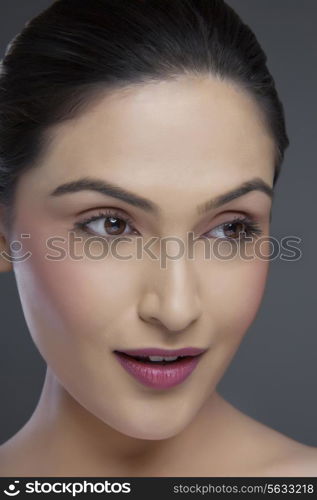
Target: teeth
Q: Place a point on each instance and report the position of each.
(160, 358)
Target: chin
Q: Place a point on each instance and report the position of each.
(150, 427)
(152, 432)
(140, 421)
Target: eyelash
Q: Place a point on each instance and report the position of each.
(81, 225)
(251, 227)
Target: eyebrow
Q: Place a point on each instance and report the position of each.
(115, 191)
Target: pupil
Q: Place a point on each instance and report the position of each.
(114, 225)
(235, 224)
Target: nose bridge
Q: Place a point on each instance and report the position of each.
(172, 294)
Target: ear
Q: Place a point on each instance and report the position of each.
(5, 253)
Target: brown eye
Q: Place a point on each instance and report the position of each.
(236, 229)
(114, 225)
(232, 229)
(108, 224)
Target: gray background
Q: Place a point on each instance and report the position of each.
(273, 377)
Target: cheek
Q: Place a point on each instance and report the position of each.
(74, 299)
(236, 296)
(247, 295)
(233, 293)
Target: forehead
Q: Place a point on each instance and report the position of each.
(190, 132)
(192, 121)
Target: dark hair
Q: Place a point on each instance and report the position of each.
(75, 51)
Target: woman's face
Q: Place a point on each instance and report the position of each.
(177, 144)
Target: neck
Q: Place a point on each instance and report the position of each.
(64, 438)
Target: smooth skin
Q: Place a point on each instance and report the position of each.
(177, 144)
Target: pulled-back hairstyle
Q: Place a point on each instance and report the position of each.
(76, 51)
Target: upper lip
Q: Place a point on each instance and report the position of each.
(155, 351)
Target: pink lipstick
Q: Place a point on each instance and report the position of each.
(160, 368)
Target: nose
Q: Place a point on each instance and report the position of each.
(171, 298)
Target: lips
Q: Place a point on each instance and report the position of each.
(155, 351)
(159, 373)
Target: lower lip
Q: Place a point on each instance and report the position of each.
(158, 376)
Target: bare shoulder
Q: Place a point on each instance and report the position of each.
(268, 452)
(12, 458)
(301, 461)
(282, 455)
(3, 461)
(5, 454)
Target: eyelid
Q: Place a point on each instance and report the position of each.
(207, 219)
(251, 223)
(107, 212)
(99, 209)
(104, 213)
(212, 221)
(253, 228)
